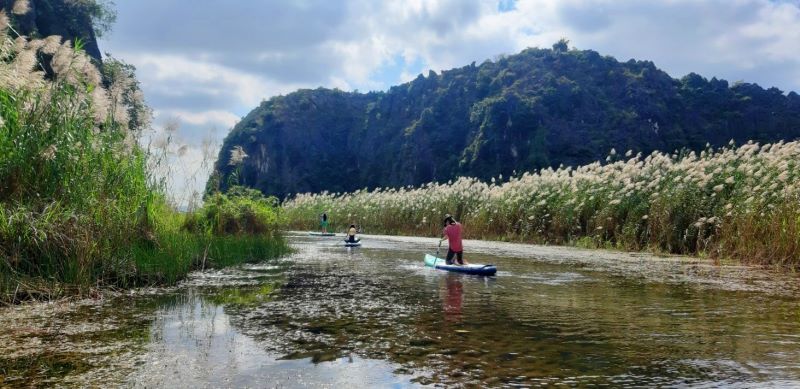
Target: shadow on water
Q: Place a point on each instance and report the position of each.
(374, 317)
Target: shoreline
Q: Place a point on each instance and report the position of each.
(651, 267)
(32, 290)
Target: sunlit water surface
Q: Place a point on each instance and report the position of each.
(375, 317)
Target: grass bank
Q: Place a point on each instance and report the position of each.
(739, 203)
(79, 206)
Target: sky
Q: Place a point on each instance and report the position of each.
(205, 64)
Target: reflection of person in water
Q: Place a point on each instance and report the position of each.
(454, 298)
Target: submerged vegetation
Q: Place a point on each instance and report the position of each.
(730, 202)
(79, 205)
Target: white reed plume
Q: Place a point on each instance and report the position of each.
(121, 116)
(62, 59)
(3, 21)
(100, 104)
(160, 142)
(25, 62)
(91, 75)
(51, 44)
(129, 143)
(49, 153)
(21, 7)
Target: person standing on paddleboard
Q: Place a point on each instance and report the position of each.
(323, 223)
(452, 233)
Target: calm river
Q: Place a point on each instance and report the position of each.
(327, 316)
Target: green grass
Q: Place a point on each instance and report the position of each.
(181, 253)
(80, 206)
(57, 253)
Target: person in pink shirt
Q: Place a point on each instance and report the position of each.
(452, 232)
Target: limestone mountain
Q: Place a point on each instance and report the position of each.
(71, 20)
(535, 109)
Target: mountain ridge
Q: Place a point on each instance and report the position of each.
(535, 109)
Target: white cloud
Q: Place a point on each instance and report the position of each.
(211, 73)
(160, 72)
(727, 39)
(316, 44)
(207, 119)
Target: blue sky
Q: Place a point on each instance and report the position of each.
(205, 64)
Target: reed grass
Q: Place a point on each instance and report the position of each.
(80, 208)
(732, 202)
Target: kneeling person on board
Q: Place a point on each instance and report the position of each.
(452, 232)
(351, 234)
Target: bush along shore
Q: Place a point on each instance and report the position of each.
(79, 208)
(740, 203)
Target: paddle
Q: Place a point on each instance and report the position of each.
(436, 258)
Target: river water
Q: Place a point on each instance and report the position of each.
(328, 316)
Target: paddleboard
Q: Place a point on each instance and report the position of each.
(472, 268)
(314, 233)
(352, 244)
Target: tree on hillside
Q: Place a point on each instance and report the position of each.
(562, 46)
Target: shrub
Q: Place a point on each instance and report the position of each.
(241, 211)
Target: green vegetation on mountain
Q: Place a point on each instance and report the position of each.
(539, 108)
(84, 20)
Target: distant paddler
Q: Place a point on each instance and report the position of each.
(323, 222)
(351, 234)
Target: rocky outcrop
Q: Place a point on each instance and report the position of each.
(56, 17)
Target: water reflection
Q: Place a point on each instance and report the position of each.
(194, 344)
(453, 300)
(375, 317)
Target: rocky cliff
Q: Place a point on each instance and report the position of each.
(69, 19)
(538, 108)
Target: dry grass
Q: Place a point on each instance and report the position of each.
(731, 202)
